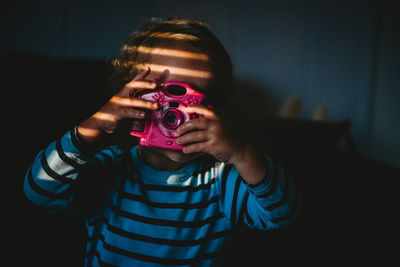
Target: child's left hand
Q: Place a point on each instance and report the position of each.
(207, 134)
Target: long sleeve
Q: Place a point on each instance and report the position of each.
(271, 204)
(49, 180)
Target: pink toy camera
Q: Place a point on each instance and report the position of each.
(158, 129)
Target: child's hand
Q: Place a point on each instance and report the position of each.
(207, 134)
(120, 106)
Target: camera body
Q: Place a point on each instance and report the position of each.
(158, 128)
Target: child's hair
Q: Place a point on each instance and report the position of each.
(161, 33)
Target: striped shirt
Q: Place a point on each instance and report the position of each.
(150, 217)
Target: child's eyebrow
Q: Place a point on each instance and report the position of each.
(172, 52)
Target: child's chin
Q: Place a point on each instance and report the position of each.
(173, 155)
(179, 156)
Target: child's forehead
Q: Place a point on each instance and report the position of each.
(178, 51)
(178, 63)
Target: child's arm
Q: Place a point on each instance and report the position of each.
(50, 180)
(270, 204)
(253, 189)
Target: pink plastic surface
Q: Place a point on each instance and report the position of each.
(158, 129)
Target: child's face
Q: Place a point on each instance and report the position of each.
(179, 63)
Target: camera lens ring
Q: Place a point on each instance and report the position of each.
(172, 118)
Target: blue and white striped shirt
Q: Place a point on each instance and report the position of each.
(150, 217)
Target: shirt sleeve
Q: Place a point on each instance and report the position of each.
(270, 204)
(49, 182)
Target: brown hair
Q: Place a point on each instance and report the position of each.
(158, 32)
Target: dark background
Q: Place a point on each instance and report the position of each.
(341, 54)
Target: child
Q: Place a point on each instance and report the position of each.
(147, 206)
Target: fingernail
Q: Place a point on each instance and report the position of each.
(142, 114)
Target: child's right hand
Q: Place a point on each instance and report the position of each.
(120, 106)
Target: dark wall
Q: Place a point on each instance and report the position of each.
(385, 130)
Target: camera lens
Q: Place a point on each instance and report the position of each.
(172, 118)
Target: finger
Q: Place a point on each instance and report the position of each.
(134, 102)
(196, 124)
(143, 74)
(195, 148)
(128, 113)
(133, 86)
(141, 84)
(193, 137)
(201, 110)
